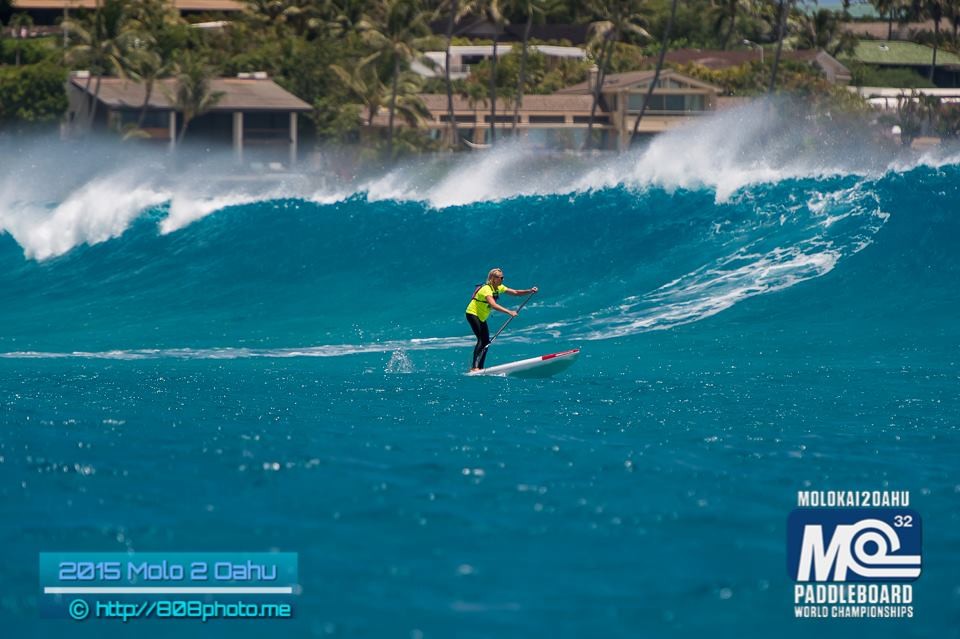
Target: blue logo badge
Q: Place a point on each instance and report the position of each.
(854, 544)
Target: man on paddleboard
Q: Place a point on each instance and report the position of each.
(478, 310)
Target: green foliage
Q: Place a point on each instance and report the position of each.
(630, 57)
(920, 115)
(32, 94)
(411, 141)
(32, 50)
(336, 121)
(794, 78)
(301, 43)
(949, 120)
(745, 80)
(564, 74)
(871, 76)
(544, 76)
(823, 30)
(193, 95)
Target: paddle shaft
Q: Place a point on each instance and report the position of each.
(509, 319)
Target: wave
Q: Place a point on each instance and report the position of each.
(135, 264)
(761, 143)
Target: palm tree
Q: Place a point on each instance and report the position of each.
(529, 8)
(823, 30)
(151, 21)
(933, 9)
(621, 18)
(952, 13)
(724, 20)
(193, 95)
(396, 31)
(364, 84)
(457, 10)
(888, 8)
(656, 74)
(408, 105)
(491, 9)
(781, 29)
(19, 23)
(294, 17)
(101, 43)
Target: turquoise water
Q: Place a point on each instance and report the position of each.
(208, 368)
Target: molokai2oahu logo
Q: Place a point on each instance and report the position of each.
(853, 554)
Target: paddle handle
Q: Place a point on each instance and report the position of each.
(509, 319)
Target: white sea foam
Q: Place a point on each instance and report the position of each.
(96, 212)
(186, 208)
(59, 201)
(328, 350)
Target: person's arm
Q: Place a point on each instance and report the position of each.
(522, 291)
(493, 304)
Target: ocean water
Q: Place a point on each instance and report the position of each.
(197, 364)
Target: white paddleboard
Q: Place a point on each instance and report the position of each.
(543, 366)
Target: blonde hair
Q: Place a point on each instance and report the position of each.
(494, 271)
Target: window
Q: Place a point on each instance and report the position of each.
(674, 103)
(458, 118)
(151, 120)
(585, 119)
(547, 119)
(667, 103)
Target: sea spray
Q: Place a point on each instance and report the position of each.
(399, 362)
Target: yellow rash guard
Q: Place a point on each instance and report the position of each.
(478, 305)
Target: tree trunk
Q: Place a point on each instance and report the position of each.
(96, 98)
(146, 103)
(733, 22)
(784, 10)
(393, 105)
(453, 120)
(97, 60)
(606, 51)
(656, 74)
(936, 41)
(493, 88)
(890, 25)
(183, 129)
(522, 80)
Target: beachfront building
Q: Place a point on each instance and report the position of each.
(832, 69)
(464, 57)
(909, 56)
(892, 98)
(676, 100)
(253, 112)
(480, 28)
(561, 120)
(543, 121)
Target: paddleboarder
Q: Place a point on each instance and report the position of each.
(478, 310)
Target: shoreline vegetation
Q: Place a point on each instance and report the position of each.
(351, 60)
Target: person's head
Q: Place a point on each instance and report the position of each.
(495, 277)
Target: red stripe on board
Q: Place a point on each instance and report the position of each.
(552, 355)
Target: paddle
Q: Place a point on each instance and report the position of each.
(509, 319)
